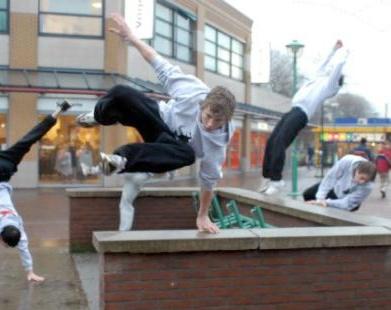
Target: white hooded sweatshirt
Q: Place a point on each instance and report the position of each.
(182, 114)
(13, 218)
(323, 85)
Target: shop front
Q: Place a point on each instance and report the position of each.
(259, 135)
(66, 146)
(337, 141)
(3, 122)
(232, 161)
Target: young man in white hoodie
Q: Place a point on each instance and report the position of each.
(312, 94)
(11, 223)
(196, 122)
(346, 185)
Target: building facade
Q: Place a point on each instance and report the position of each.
(51, 50)
(340, 138)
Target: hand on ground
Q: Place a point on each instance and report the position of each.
(32, 277)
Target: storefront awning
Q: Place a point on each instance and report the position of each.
(96, 83)
(62, 81)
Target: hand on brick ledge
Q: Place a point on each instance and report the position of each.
(206, 225)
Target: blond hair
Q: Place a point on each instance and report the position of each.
(221, 103)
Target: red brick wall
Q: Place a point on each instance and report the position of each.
(343, 278)
(100, 214)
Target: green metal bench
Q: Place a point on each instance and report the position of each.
(259, 219)
(233, 218)
(242, 221)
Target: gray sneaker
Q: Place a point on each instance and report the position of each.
(86, 120)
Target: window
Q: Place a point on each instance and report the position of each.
(64, 149)
(173, 33)
(81, 18)
(223, 54)
(4, 5)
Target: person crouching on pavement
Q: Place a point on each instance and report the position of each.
(346, 185)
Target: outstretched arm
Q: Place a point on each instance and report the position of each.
(123, 30)
(336, 47)
(203, 221)
(352, 200)
(27, 261)
(175, 82)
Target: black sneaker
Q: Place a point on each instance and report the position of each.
(65, 106)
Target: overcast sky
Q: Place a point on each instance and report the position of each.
(363, 25)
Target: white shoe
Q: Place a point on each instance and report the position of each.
(112, 163)
(274, 187)
(265, 184)
(87, 170)
(86, 120)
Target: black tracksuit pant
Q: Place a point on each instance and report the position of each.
(162, 151)
(282, 136)
(310, 193)
(10, 158)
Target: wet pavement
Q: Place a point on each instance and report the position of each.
(45, 213)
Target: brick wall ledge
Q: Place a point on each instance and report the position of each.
(284, 205)
(92, 192)
(168, 241)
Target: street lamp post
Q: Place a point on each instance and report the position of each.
(294, 47)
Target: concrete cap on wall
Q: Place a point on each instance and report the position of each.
(160, 241)
(322, 237)
(165, 241)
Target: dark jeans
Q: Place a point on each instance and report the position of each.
(162, 151)
(10, 158)
(282, 136)
(310, 194)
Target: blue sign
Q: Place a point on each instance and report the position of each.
(363, 121)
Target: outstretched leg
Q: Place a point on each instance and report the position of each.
(290, 127)
(129, 107)
(269, 150)
(11, 157)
